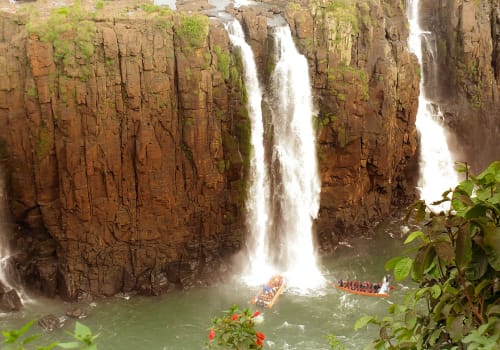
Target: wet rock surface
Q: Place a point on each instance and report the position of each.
(464, 75)
(9, 299)
(51, 322)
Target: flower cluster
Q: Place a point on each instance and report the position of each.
(235, 330)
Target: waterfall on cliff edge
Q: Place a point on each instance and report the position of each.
(4, 251)
(283, 197)
(295, 181)
(5, 263)
(258, 196)
(437, 173)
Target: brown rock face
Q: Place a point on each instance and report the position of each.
(126, 139)
(9, 299)
(465, 77)
(125, 164)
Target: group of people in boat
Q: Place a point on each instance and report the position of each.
(269, 290)
(367, 287)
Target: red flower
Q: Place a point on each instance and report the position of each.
(258, 342)
(260, 336)
(235, 317)
(256, 313)
(211, 334)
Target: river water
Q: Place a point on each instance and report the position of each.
(180, 320)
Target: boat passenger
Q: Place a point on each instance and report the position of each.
(386, 285)
(267, 289)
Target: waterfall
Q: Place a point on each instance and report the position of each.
(283, 196)
(296, 184)
(10, 298)
(257, 204)
(437, 173)
(4, 251)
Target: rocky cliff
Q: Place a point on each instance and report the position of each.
(464, 77)
(366, 85)
(125, 145)
(125, 137)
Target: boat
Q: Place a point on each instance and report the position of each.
(377, 289)
(270, 292)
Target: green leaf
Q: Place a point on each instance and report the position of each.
(69, 345)
(31, 338)
(436, 291)
(444, 251)
(402, 268)
(434, 336)
(466, 187)
(82, 331)
(25, 328)
(454, 325)
(412, 236)
(492, 244)
(363, 321)
(410, 319)
(479, 288)
(477, 266)
(475, 211)
(423, 260)
(463, 249)
(493, 310)
(389, 265)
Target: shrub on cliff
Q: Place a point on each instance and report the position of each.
(457, 264)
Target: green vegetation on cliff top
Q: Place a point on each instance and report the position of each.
(69, 30)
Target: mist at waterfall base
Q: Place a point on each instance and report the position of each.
(180, 320)
(437, 172)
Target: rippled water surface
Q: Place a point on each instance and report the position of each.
(180, 320)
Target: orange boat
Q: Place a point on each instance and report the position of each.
(365, 288)
(270, 292)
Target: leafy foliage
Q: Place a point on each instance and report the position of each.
(457, 264)
(335, 343)
(235, 330)
(193, 29)
(68, 29)
(18, 339)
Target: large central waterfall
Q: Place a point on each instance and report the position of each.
(296, 185)
(283, 196)
(436, 165)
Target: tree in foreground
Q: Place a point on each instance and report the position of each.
(236, 330)
(456, 263)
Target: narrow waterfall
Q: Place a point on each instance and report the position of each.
(437, 173)
(295, 180)
(258, 196)
(10, 297)
(4, 247)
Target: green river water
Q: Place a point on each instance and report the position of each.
(181, 319)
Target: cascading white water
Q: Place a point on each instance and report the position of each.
(4, 250)
(296, 184)
(258, 196)
(288, 189)
(437, 173)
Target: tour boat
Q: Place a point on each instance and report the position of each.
(270, 292)
(365, 288)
